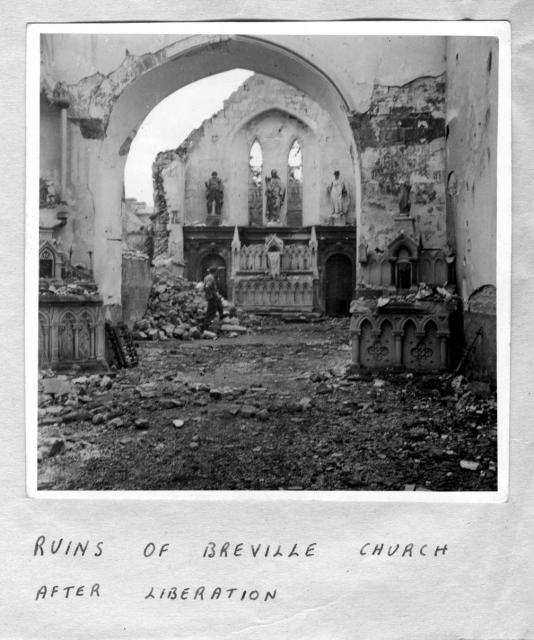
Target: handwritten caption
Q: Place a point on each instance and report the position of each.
(153, 551)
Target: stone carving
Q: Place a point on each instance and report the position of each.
(274, 276)
(339, 199)
(48, 196)
(51, 261)
(362, 251)
(273, 262)
(71, 331)
(290, 293)
(214, 194)
(275, 194)
(377, 351)
(404, 199)
(415, 339)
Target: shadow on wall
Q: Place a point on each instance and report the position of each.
(481, 314)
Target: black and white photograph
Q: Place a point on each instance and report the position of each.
(267, 260)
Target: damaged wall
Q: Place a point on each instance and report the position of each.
(472, 158)
(114, 81)
(275, 114)
(401, 139)
(472, 103)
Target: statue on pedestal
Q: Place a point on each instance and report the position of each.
(275, 194)
(338, 199)
(214, 194)
(404, 199)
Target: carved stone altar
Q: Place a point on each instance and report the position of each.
(71, 321)
(402, 335)
(274, 276)
(71, 331)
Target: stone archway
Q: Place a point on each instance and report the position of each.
(158, 76)
(339, 284)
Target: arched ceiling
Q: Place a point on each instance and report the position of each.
(201, 56)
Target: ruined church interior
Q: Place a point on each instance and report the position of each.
(348, 178)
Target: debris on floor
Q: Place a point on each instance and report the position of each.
(276, 409)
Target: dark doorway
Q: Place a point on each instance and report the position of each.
(339, 285)
(214, 260)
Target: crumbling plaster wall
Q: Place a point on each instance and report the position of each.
(472, 158)
(275, 114)
(78, 233)
(113, 81)
(401, 138)
(472, 103)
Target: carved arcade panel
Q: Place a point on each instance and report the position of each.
(405, 341)
(70, 334)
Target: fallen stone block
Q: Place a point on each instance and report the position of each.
(59, 386)
(248, 411)
(236, 328)
(106, 382)
(57, 447)
(53, 410)
(470, 465)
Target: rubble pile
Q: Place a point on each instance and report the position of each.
(76, 280)
(85, 288)
(425, 295)
(177, 308)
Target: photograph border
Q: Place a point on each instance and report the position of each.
(497, 29)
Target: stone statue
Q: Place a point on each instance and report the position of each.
(404, 198)
(275, 194)
(214, 194)
(48, 197)
(338, 198)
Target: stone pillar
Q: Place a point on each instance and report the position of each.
(398, 347)
(106, 185)
(63, 120)
(92, 350)
(76, 328)
(54, 342)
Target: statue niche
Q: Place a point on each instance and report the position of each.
(214, 196)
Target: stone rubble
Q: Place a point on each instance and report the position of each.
(317, 423)
(176, 309)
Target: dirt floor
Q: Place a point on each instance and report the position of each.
(277, 409)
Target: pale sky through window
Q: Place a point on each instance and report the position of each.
(170, 122)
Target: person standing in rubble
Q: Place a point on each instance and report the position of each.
(213, 298)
